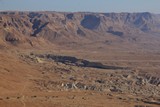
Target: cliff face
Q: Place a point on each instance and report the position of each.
(29, 27)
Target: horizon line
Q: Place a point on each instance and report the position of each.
(73, 11)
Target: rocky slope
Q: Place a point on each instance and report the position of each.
(30, 28)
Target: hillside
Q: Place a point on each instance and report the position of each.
(79, 59)
(33, 28)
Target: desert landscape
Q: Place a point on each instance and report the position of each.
(81, 59)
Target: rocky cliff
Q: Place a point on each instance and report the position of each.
(30, 27)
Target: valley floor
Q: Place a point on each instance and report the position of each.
(30, 80)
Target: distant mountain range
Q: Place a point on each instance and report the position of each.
(33, 28)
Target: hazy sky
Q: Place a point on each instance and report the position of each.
(82, 5)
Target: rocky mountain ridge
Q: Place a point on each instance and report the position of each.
(25, 27)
